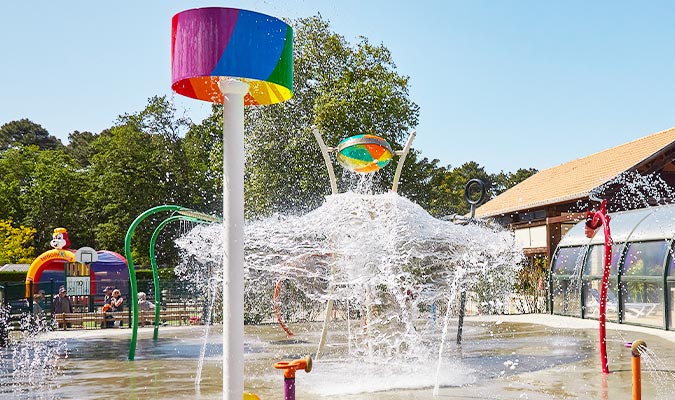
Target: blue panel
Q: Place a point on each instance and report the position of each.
(255, 47)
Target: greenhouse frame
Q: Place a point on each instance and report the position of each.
(642, 278)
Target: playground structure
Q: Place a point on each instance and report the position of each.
(474, 202)
(363, 154)
(83, 272)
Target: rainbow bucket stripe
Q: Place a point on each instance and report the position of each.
(364, 153)
(214, 42)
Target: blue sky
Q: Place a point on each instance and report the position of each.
(508, 84)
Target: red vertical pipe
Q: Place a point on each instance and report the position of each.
(277, 311)
(597, 219)
(603, 294)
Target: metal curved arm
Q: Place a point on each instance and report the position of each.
(132, 270)
(403, 153)
(326, 158)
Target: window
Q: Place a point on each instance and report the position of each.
(566, 282)
(671, 266)
(568, 260)
(595, 262)
(642, 282)
(645, 258)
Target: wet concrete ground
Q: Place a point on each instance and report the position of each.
(502, 357)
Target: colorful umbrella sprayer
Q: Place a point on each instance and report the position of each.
(254, 47)
(364, 153)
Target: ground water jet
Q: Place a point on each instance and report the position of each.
(29, 366)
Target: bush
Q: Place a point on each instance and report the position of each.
(12, 276)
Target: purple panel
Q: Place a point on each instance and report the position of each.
(200, 40)
(110, 270)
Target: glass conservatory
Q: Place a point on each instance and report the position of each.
(642, 274)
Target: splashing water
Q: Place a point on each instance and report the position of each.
(630, 190)
(381, 254)
(29, 365)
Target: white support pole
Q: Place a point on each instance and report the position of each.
(326, 158)
(324, 329)
(403, 154)
(233, 220)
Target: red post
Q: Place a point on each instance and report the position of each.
(277, 311)
(593, 222)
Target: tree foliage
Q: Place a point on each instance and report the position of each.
(15, 242)
(79, 146)
(25, 132)
(53, 197)
(137, 164)
(16, 175)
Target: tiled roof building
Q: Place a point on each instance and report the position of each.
(545, 205)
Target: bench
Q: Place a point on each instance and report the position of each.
(84, 320)
(165, 316)
(97, 319)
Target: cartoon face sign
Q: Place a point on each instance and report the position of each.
(60, 239)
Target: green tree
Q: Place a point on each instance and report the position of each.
(16, 174)
(447, 188)
(79, 146)
(25, 132)
(342, 89)
(504, 181)
(54, 197)
(15, 243)
(419, 179)
(124, 180)
(440, 190)
(41, 189)
(159, 120)
(203, 148)
(137, 164)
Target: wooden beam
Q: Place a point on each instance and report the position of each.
(566, 218)
(534, 251)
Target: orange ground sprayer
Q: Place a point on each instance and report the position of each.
(289, 368)
(636, 348)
